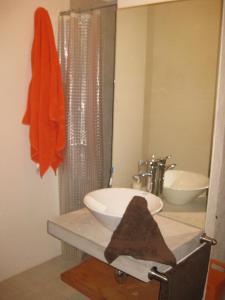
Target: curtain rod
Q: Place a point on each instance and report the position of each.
(66, 12)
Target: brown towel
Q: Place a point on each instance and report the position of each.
(138, 235)
(187, 280)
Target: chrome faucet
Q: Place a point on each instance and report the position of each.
(153, 170)
(145, 173)
(162, 168)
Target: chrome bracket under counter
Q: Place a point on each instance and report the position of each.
(155, 274)
(82, 230)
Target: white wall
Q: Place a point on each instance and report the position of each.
(26, 201)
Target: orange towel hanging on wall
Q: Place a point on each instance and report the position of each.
(45, 107)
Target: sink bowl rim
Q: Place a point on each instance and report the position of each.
(202, 187)
(137, 193)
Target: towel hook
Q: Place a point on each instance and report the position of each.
(155, 274)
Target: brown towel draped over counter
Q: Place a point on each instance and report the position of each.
(138, 235)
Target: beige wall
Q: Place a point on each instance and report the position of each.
(181, 80)
(26, 201)
(181, 68)
(129, 93)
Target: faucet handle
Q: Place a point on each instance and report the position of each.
(170, 167)
(163, 160)
(168, 156)
(154, 159)
(152, 165)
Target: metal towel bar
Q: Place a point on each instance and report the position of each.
(155, 274)
(205, 238)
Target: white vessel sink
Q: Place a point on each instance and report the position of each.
(181, 187)
(108, 205)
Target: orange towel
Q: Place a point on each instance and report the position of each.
(45, 107)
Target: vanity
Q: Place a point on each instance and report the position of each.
(90, 230)
(81, 230)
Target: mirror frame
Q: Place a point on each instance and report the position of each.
(215, 187)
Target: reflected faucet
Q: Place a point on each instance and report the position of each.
(153, 170)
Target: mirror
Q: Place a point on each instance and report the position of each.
(165, 89)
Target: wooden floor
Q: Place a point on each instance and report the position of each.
(96, 280)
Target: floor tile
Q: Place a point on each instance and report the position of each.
(41, 283)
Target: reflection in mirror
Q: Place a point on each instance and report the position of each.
(165, 88)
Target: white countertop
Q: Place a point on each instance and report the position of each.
(82, 230)
(193, 213)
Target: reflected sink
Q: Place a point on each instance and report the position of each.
(181, 187)
(108, 205)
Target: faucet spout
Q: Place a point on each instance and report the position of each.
(153, 171)
(149, 181)
(148, 176)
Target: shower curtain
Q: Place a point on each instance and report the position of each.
(86, 53)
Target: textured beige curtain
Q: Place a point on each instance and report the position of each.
(88, 87)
